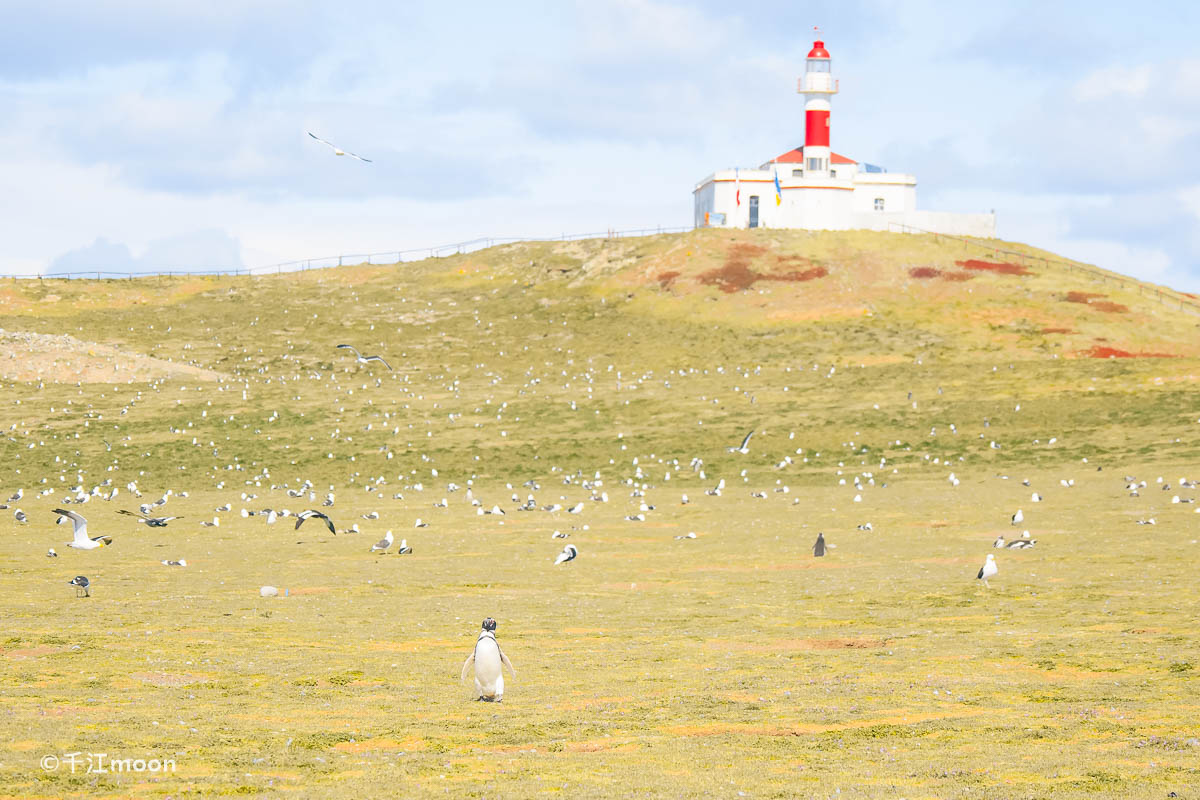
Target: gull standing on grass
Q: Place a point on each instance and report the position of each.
(568, 554)
(988, 570)
(383, 544)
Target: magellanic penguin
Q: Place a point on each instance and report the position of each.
(819, 547)
(488, 660)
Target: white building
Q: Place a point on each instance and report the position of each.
(814, 188)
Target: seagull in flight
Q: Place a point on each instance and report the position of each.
(304, 515)
(337, 151)
(744, 448)
(81, 541)
(360, 358)
(153, 522)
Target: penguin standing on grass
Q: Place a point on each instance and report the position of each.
(488, 660)
(819, 547)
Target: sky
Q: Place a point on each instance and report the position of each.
(144, 135)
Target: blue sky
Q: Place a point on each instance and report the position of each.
(149, 134)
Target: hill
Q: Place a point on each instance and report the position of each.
(906, 396)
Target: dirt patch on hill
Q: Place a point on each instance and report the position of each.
(1058, 330)
(1112, 352)
(1093, 300)
(26, 356)
(737, 274)
(926, 273)
(999, 267)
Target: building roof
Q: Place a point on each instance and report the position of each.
(818, 50)
(797, 157)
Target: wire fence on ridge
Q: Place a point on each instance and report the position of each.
(379, 258)
(1185, 301)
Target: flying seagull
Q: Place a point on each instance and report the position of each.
(360, 358)
(153, 522)
(337, 151)
(303, 515)
(81, 541)
(744, 448)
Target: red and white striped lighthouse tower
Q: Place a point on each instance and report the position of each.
(817, 86)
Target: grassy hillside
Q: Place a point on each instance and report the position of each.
(869, 366)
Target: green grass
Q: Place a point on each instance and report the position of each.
(735, 662)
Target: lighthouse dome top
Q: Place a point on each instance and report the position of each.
(818, 50)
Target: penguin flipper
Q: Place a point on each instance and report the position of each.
(504, 660)
(470, 662)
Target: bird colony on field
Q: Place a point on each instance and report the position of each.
(818, 552)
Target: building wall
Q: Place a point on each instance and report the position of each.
(841, 203)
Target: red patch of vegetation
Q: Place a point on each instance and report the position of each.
(1057, 330)
(1193, 296)
(736, 274)
(1002, 267)
(1090, 299)
(667, 278)
(799, 276)
(1112, 352)
(931, 272)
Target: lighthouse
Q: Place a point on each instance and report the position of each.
(817, 86)
(813, 188)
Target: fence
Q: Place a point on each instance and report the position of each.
(381, 257)
(1185, 301)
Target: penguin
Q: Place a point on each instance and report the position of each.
(819, 547)
(81, 585)
(488, 660)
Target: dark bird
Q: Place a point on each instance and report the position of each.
(81, 585)
(819, 547)
(305, 515)
(153, 522)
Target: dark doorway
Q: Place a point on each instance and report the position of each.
(753, 211)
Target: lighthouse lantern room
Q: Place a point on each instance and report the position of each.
(813, 187)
